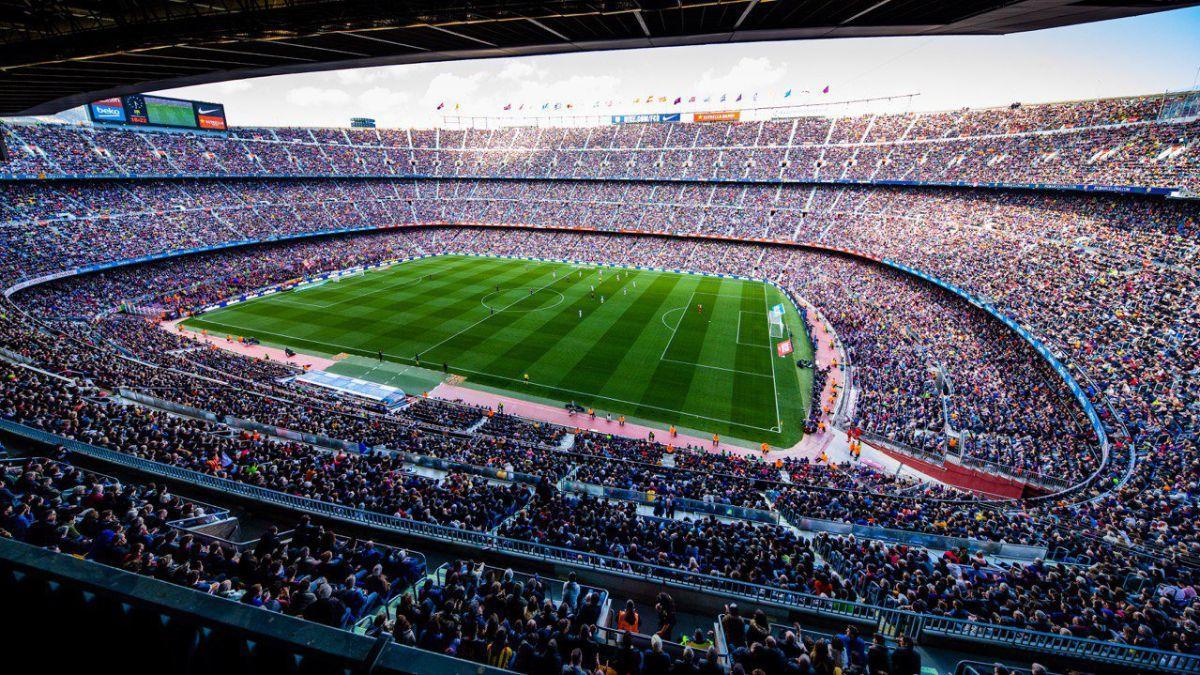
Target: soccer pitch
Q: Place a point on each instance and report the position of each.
(689, 350)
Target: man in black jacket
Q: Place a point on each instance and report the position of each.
(590, 614)
(327, 609)
(735, 628)
(877, 656)
(905, 660)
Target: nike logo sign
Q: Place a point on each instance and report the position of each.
(208, 112)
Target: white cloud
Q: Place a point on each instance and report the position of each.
(317, 96)
(234, 86)
(449, 87)
(362, 76)
(520, 70)
(382, 99)
(582, 90)
(748, 75)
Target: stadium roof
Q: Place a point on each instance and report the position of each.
(56, 54)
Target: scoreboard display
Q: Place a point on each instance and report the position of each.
(142, 110)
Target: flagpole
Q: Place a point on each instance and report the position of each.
(790, 109)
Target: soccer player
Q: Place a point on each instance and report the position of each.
(700, 308)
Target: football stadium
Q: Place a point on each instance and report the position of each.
(607, 338)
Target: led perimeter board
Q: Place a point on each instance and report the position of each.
(141, 110)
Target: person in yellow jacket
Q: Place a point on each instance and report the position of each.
(698, 641)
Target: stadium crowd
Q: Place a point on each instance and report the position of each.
(307, 572)
(1107, 282)
(1139, 141)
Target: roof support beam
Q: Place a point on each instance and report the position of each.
(362, 35)
(464, 36)
(321, 49)
(261, 55)
(866, 11)
(642, 22)
(548, 29)
(749, 8)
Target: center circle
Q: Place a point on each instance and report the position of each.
(510, 300)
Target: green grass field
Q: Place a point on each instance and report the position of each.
(647, 351)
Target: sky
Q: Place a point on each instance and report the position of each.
(1141, 55)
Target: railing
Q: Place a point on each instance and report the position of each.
(194, 618)
(462, 467)
(889, 621)
(554, 586)
(913, 538)
(1062, 645)
(682, 503)
(981, 668)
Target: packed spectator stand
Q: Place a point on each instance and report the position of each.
(1106, 281)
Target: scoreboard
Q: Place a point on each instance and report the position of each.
(143, 110)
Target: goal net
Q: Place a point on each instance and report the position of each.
(775, 322)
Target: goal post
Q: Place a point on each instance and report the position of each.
(775, 322)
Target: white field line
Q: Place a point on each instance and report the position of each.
(490, 315)
(677, 323)
(739, 333)
(728, 370)
(350, 349)
(771, 355)
(389, 287)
